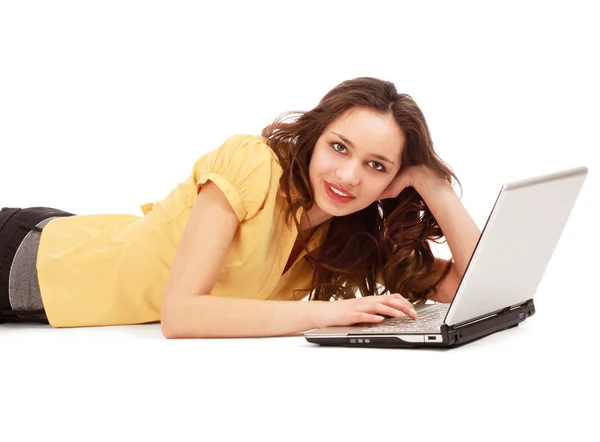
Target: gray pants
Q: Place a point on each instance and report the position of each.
(23, 285)
(20, 234)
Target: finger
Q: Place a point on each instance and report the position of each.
(401, 303)
(384, 309)
(367, 317)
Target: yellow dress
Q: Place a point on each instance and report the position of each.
(112, 269)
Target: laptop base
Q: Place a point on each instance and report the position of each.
(449, 336)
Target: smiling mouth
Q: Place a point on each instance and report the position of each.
(336, 194)
(340, 190)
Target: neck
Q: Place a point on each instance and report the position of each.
(313, 218)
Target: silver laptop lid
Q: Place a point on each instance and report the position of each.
(516, 243)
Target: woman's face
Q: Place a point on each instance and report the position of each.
(359, 155)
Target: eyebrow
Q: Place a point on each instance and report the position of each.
(374, 155)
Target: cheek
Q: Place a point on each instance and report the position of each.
(322, 163)
(375, 187)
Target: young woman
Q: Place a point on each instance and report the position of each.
(338, 203)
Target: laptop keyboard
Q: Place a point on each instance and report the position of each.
(430, 317)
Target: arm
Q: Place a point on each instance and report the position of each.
(460, 230)
(188, 309)
(206, 316)
(446, 288)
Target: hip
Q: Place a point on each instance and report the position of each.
(19, 226)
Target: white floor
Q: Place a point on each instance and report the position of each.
(129, 383)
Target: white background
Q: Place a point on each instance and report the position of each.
(105, 106)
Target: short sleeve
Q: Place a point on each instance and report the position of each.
(241, 168)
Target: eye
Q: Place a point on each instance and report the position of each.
(338, 144)
(380, 167)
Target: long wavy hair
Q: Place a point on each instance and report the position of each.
(385, 244)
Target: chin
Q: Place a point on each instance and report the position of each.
(329, 207)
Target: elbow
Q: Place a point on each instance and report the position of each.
(180, 319)
(447, 288)
(171, 322)
(169, 331)
(445, 292)
(442, 298)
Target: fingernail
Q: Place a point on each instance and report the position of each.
(413, 311)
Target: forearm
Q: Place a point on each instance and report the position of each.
(207, 316)
(459, 229)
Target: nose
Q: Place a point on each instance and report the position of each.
(348, 173)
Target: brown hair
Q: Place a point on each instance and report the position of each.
(386, 242)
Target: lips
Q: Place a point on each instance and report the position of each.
(340, 189)
(334, 196)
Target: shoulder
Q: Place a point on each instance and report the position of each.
(243, 167)
(246, 152)
(244, 141)
(238, 152)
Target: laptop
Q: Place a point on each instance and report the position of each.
(505, 269)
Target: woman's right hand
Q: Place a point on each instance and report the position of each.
(366, 309)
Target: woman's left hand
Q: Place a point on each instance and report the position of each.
(406, 178)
